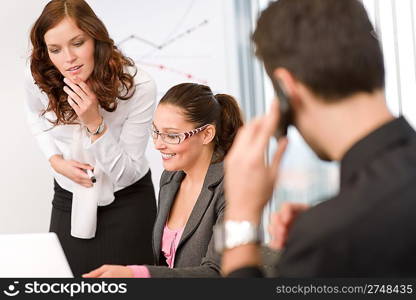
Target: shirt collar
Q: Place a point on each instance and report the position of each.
(368, 148)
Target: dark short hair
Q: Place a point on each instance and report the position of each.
(329, 45)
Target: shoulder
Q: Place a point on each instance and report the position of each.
(166, 177)
(144, 87)
(140, 76)
(215, 176)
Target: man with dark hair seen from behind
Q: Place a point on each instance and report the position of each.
(326, 56)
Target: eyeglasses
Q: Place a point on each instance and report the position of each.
(174, 138)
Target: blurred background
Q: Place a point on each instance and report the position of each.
(178, 41)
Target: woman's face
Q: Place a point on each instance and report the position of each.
(70, 50)
(170, 119)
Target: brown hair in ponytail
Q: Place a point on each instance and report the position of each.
(231, 121)
(201, 107)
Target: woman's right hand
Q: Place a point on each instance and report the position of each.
(72, 169)
(110, 271)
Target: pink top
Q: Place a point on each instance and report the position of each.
(170, 242)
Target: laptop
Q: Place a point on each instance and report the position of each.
(32, 255)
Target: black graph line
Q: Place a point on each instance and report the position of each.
(181, 20)
(135, 37)
(175, 28)
(165, 44)
(181, 35)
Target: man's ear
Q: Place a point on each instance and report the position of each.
(208, 134)
(289, 84)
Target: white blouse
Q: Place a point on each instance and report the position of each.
(120, 151)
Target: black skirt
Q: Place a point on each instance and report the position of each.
(124, 228)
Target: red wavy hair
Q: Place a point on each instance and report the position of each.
(109, 79)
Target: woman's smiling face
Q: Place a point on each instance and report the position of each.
(170, 119)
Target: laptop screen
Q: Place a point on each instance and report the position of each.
(32, 255)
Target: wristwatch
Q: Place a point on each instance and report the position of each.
(231, 234)
(99, 129)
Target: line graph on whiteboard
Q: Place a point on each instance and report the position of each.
(141, 61)
(186, 52)
(174, 41)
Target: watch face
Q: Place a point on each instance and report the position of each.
(231, 234)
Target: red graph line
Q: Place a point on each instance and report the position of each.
(176, 71)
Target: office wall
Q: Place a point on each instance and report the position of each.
(175, 41)
(396, 29)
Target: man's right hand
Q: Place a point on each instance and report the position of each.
(72, 169)
(281, 222)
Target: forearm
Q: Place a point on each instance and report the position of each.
(119, 161)
(53, 160)
(244, 255)
(240, 257)
(40, 130)
(121, 154)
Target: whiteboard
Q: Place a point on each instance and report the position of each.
(193, 40)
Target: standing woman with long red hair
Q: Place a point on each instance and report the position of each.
(90, 108)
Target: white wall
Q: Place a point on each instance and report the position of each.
(207, 53)
(25, 183)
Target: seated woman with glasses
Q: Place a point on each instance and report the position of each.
(193, 129)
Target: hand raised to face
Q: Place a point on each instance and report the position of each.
(249, 181)
(84, 102)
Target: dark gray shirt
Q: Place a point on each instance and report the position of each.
(369, 228)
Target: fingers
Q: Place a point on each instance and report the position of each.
(73, 96)
(246, 134)
(83, 177)
(256, 135)
(73, 104)
(75, 89)
(103, 275)
(277, 231)
(286, 213)
(277, 158)
(96, 273)
(80, 176)
(281, 222)
(112, 274)
(244, 139)
(267, 127)
(289, 211)
(110, 271)
(85, 88)
(82, 166)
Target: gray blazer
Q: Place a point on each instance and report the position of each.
(195, 255)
